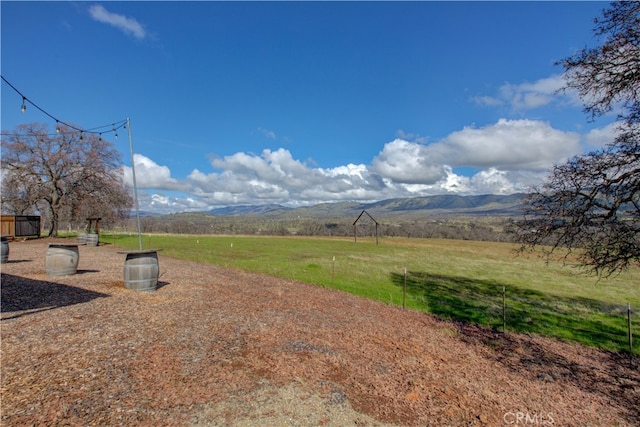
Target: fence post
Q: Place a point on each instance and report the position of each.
(630, 334)
(504, 310)
(333, 269)
(404, 290)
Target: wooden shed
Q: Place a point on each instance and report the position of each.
(14, 226)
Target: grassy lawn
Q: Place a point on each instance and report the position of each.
(460, 280)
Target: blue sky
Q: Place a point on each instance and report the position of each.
(300, 103)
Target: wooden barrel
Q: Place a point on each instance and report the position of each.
(82, 238)
(92, 239)
(5, 250)
(141, 270)
(62, 260)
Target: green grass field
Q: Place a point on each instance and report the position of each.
(453, 279)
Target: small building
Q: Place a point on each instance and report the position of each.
(15, 226)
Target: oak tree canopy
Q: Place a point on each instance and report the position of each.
(65, 176)
(591, 203)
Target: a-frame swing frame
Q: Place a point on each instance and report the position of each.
(355, 233)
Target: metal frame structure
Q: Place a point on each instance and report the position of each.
(355, 234)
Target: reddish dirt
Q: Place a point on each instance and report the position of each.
(217, 346)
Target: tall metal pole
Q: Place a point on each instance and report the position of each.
(135, 186)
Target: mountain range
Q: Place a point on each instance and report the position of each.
(486, 205)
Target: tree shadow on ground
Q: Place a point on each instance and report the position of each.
(609, 374)
(472, 303)
(28, 296)
(481, 301)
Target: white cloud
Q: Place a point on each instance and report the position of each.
(275, 176)
(525, 96)
(493, 181)
(407, 162)
(598, 138)
(507, 156)
(127, 25)
(151, 175)
(507, 145)
(160, 202)
(452, 183)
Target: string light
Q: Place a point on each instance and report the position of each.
(99, 130)
(126, 124)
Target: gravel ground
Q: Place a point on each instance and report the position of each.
(220, 347)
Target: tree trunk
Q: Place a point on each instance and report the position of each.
(53, 228)
(55, 217)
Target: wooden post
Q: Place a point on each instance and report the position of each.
(333, 269)
(630, 334)
(97, 227)
(404, 290)
(504, 310)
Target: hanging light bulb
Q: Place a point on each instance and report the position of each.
(81, 135)
(116, 135)
(24, 105)
(100, 137)
(57, 126)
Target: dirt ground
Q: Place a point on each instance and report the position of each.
(214, 346)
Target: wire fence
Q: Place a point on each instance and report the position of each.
(610, 326)
(509, 308)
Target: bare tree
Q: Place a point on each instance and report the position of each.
(69, 175)
(591, 204)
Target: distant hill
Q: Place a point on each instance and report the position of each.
(489, 204)
(249, 210)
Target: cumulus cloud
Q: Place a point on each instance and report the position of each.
(598, 138)
(408, 162)
(127, 25)
(505, 157)
(275, 176)
(507, 145)
(151, 175)
(493, 181)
